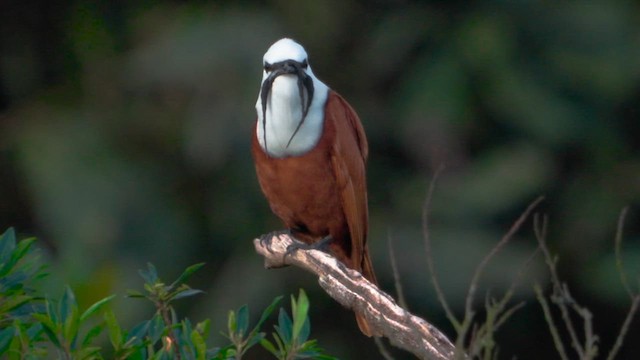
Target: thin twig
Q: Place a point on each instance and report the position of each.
(562, 298)
(427, 246)
(505, 239)
(507, 314)
(396, 274)
(635, 298)
(496, 313)
(473, 286)
(625, 327)
(552, 326)
(618, 250)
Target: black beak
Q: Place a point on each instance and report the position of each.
(304, 82)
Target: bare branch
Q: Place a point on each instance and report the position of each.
(353, 291)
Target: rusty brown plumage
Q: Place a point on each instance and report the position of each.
(324, 191)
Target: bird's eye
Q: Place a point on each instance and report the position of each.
(268, 67)
(305, 64)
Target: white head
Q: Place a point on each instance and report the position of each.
(290, 106)
(285, 49)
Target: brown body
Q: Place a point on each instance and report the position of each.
(324, 192)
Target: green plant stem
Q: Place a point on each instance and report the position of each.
(165, 312)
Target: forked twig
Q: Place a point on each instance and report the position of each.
(557, 340)
(497, 315)
(495, 309)
(505, 239)
(562, 298)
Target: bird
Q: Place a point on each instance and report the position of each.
(310, 151)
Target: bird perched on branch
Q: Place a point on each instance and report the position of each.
(310, 152)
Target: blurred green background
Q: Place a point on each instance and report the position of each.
(125, 129)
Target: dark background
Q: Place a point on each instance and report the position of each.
(125, 127)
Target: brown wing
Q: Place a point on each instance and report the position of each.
(349, 155)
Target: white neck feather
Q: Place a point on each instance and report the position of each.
(284, 111)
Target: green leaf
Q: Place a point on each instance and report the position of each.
(71, 325)
(186, 274)
(45, 321)
(14, 302)
(67, 304)
(279, 342)
(299, 310)
(14, 349)
(243, 320)
(269, 346)
(6, 335)
(89, 353)
(156, 328)
(115, 333)
(256, 338)
(7, 244)
(51, 313)
(49, 327)
(135, 294)
(305, 331)
(137, 333)
(14, 281)
(185, 328)
(318, 356)
(186, 293)
(203, 327)
(91, 334)
(310, 348)
(199, 344)
(95, 307)
(284, 327)
(69, 315)
(266, 313)
(34, 331)
(232, 325)
(17, 253)
(150, 276)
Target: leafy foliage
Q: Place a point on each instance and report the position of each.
(291, 336)
(34, 327)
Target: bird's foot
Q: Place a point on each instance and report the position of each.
(266, 239)
(322, 245)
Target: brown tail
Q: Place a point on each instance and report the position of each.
(367, 272)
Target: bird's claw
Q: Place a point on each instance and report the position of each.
(267, 239)
(322, 245)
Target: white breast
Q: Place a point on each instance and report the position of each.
(284, 111)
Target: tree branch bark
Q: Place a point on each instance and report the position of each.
(353, 291)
